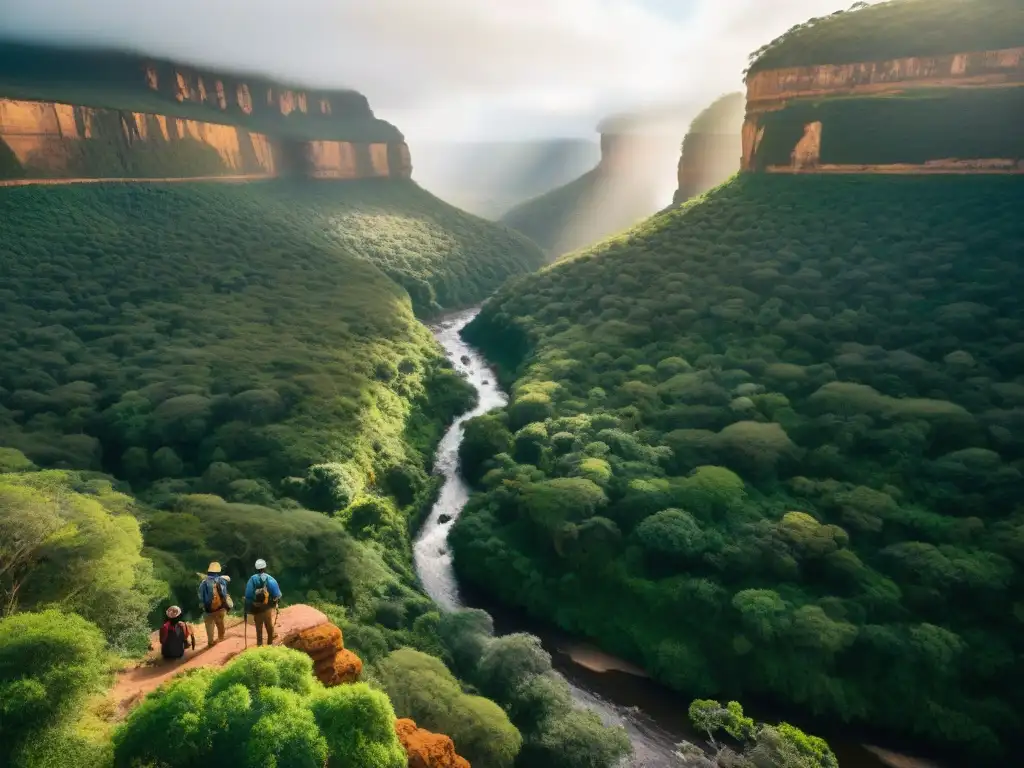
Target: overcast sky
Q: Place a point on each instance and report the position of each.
(465, 69)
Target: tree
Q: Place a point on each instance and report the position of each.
(79, 549)
(27, 521)
(528, 408)
(465, 635)
(358, 724)
(550, 503)
(49, 663)
(422, 688)
(509, 661)
(577, 740)
(765, 746)
(484, 437)
(673, 534)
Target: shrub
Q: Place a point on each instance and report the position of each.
(49, 663)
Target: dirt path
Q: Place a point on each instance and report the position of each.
(54, 182)
(135, 682)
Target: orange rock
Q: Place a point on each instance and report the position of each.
(318, 641)
(426, 749)
(346, 668)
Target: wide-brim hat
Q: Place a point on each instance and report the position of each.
(173, 612)
(214, 567)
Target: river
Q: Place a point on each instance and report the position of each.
(654, 717)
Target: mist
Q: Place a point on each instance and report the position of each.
(449, 69)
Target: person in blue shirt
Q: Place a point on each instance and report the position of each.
(261, 596)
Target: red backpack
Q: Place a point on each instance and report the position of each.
(173, 639)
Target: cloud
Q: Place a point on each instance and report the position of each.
(461, 67)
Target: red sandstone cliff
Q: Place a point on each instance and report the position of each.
(198, 123)
(997, 73)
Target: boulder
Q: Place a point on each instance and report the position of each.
(319, 642)
(345, 667)
(332, 664)
(426, 749)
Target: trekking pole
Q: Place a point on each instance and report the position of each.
(245, 626)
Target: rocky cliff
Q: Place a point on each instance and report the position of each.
(711, 148)
(111, 115)
(955, 113)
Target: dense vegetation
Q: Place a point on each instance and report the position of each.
(772, 442)
(224, 339)
(896, 29)
(264, 708)
(240, 360)
(442, 256)
(69, 539)
(917, 126)
(117, 80)
(50, 664)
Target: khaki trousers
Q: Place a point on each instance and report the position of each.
(211, 620)
(264, 618)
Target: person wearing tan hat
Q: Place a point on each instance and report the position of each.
(213, 594)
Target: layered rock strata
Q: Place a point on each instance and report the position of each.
(941, 114)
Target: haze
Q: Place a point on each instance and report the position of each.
(451, 69)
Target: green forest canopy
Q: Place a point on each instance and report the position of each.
(794, 425)
(895, 29)
(224, 338)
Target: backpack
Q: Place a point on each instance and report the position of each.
(173, 646)
(216, 598)
(261, 593)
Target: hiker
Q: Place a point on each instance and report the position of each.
(175, 635)
(261, 596)
(213, 594)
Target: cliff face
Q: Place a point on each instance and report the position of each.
(711, 148)
(951, 113)
(771, 89)
(194, 123)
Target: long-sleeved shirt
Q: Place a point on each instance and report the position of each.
(253, 584)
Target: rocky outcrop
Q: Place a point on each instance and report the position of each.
(771, 89)
(199, 123)
(52, 140)
(711, 148)
(426, 749)
(904, 115)
(332, 663)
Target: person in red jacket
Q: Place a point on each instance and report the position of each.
(175, 634)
